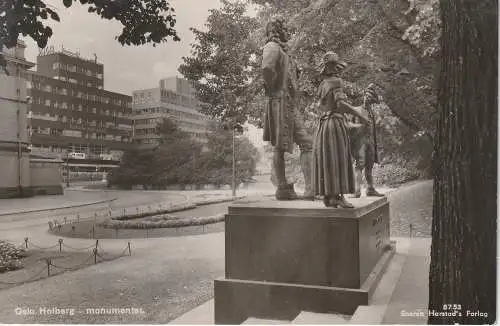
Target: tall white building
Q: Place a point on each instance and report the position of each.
(174, 99)
(14, 138)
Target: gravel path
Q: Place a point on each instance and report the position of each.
(411, 204)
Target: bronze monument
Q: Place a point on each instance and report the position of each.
(333, 172)
(282, 127)
(364, 145)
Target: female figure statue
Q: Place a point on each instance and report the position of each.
(333, 173)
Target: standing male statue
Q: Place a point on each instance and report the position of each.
(282, 126)
(364, 146)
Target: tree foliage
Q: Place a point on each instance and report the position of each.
(223, 62)
(179, 160)
(382, 43)
(143, 21)
(393, 44)
(217, 161)
(170, 162)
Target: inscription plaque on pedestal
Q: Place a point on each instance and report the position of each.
(284, 257)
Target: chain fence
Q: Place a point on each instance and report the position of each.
(62, 219)
(96, 255)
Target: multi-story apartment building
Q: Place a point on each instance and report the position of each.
(174, 99)
(71, 115)
(14, 142)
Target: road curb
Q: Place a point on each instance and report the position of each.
(57, 207)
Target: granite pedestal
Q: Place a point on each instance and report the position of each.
(286, 257)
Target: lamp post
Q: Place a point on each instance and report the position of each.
(67, 167)
(234, 161)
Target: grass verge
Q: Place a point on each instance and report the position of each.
(40, 264)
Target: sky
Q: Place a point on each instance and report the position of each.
(126, 68)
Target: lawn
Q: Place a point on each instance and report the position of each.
(39, 264)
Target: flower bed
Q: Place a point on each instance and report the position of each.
(217, 201)
(161, 223)
(164, 217)
(160, 218)
(175, 208)
(10, 256)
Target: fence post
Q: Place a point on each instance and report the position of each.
(95, 255)
(129, 249)
(116, 230)
(65, 219)
(26, 242)
(411, 230)
(60, 245)
(93, 231)
(47, 260)
(96, 243)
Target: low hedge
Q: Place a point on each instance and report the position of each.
(156, 218)
(175, 208)
(217, 201)
(162, 223)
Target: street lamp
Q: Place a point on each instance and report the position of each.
(234, 162)
(236, 128)
(67, 167)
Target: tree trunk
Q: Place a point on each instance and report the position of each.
(463, 254)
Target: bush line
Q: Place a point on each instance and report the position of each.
(175, 208)
(172, 223)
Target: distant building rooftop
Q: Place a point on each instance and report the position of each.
(51, 51)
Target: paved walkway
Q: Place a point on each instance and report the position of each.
(410, 298)
(39, 203)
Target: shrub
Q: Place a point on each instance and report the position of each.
(394, 175)
(10, 256)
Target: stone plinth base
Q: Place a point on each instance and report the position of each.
(287, 257)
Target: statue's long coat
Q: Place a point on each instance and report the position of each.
(280, 80)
